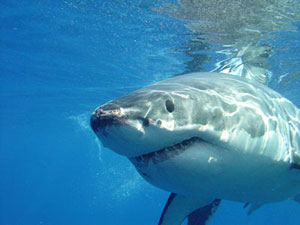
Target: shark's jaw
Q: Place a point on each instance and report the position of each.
(165, 153)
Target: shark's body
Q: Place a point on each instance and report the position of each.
(205, 137)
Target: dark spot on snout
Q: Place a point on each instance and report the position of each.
(145, 121)
(170, 106)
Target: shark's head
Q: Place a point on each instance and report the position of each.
(168, 115)
(201, 134)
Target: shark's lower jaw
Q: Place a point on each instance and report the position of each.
(164, 153)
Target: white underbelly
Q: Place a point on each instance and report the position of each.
(205, 170)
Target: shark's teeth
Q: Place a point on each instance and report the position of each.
(164, 153)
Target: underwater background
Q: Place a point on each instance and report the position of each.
(59, 60)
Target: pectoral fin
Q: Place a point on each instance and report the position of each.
(252, 207)
(179, 207)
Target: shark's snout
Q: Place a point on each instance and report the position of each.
(120, 129)
(103, 118)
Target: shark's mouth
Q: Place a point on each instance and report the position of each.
(164, 153)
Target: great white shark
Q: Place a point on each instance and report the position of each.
(206, 137)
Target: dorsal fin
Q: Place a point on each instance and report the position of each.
(179, 207)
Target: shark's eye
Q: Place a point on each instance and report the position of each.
(170, 106)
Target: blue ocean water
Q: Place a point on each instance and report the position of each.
(59, 60)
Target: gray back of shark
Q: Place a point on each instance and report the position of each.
(206, 137)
